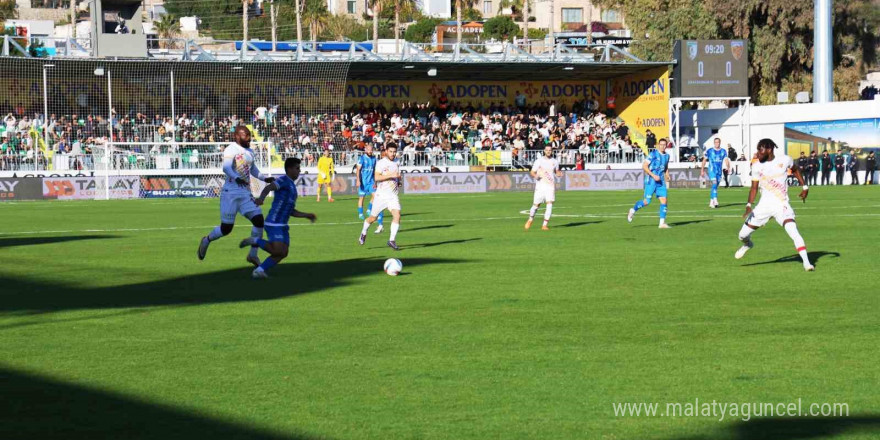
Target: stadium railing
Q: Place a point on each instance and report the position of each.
(208, 156)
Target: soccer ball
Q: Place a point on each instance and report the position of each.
(393, 266)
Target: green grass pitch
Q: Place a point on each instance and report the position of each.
(111, 328)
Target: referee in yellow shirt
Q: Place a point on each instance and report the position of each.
(326, 171)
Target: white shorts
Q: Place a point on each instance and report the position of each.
(764, 212)
(383, 202)
(232, 203)
(544, 194)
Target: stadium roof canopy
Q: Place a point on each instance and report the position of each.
(496, 71)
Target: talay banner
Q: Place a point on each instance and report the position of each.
(603, 180)
(181, 186)
(472, 92)
(342, 184)
(515, 182)
(20, 189)
(83, 188)
(443, 183)
(687, 178)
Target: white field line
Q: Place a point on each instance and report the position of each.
(439, 220)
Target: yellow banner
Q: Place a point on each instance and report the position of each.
(473, 92)
(642, 101)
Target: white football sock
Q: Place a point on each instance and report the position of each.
(366, 226)
(548, 211)
(394, 228)
(215, 233)
(791, 228)
(256, 234)
(744, 233)
(532, 211)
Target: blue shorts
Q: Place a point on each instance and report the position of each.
(278, 234)
(653, 187)
(365, 190)
(713, 177)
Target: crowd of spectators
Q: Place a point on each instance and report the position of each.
(423, 132)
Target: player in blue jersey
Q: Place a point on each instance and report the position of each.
(277, 229)
(656, 169)
(366, 180)
(718, 162)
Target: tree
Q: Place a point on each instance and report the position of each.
(376, 6)
(459, 4)
(315, 14)
(405, 7)
(8, 10)
(779, 34)
(422, 30)
(340, 27)
(500, 27)
(167, 28)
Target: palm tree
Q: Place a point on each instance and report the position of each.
(458, 5)
(338, 26)
(167, 28)
(8, 10)
(299, 34)
(376, 6)
(315, 14)
(406, 7)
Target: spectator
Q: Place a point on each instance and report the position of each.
(870, 166)
(651, 140)
(813, 167)
(839, 162)
(853, 168)
(827, 166)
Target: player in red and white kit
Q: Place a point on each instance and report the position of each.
(236, 197)
(545, 170)
(770, 173)
(387, 183)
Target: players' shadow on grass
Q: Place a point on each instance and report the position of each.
(797, 428)
(35, 407)
(814, 258)
(690, 222)
(235, 285)
(576, 224)
(682, 223)
(439, 243)
(727, 205)
(422, 228)
(30, 241)
(410, 214)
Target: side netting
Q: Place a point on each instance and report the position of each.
(111, 120)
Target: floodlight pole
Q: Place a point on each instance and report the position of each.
(822, 67)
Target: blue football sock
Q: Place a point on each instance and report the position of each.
(714, 190)
(639, 205)
(262, 244)
(380, 217)
(268, 263)
(663, 211)
(360, 211)
(370, 207)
